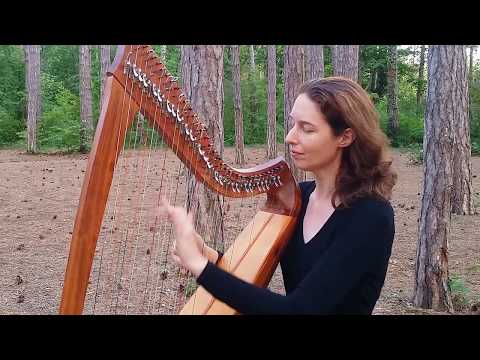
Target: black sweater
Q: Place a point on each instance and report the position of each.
(341, 270)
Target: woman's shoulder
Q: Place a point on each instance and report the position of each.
(373, 206)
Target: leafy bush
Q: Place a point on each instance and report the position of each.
(10, 128)
(60, 124)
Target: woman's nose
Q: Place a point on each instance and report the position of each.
(290, 138)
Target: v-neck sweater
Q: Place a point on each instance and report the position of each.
(341, 270)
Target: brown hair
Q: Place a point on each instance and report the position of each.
(365, 168)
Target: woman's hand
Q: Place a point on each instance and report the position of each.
(188, 245)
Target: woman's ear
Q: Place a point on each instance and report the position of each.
(347, 138)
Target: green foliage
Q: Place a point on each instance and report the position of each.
(60, 122)
(459, 292)
(10, 128)
(12, 94)
(62, 62)
(254, 96)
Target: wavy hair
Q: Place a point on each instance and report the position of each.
(366, 168)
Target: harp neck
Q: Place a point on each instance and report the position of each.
(146, 80)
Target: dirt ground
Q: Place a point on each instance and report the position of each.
(39, 198)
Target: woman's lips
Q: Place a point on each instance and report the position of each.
(295, 153)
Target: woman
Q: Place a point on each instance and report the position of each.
(337, 259)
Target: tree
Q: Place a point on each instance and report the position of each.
(104, 65)
(272, 102)
(444, 104)
(202, 76)
(252, 58)
(32, 60)
(345, 61)
(254, 109)
(237, 104)
(420, 75)
(86, 130)
(470, 81)
(314, 62)
(393, 122)
(293, 72)
(163, 53)
(462, 201)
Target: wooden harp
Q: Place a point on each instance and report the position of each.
(138, 81)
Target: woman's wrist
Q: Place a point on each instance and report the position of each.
(198, 265)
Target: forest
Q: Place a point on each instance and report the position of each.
(59, 117)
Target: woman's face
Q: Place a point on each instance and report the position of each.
(313, 145)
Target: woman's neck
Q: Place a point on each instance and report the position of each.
(325, 180)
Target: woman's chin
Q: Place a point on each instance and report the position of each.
(299, 164)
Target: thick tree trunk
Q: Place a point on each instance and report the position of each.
(32, 60)
(293, 72)
(345, 61)
(202, 74)
(462, 201)
(272, 102)
(86, 129)
(237, 104)
(443, 106)
(104, 65)
(393, 122)
(421, 67)
(314, 62)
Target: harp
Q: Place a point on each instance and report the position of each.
(139, 83)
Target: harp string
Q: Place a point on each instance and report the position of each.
(142, 194)
(117, 245)
(123, 165)
(164, 171)
(128, 242)
(187, 279)
(178, 278)
(162, 233)
(175, 147)
(110, 209)
(132, 161)
(152, 247)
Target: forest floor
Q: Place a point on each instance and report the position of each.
(39, 197)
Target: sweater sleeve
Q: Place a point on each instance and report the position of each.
(363, 246)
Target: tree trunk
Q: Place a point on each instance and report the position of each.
(237, 104)
(202, 74)
(272, 102)
(314, 62)
(104, 65)
(443, 106)
(470, 82)
(393, 122)
(254, 107)
(345, 61)
(252, 58)
(462, 201)
(32, 60)
(86, 128)
(163, 53)
(293, 72)
(420, 75)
